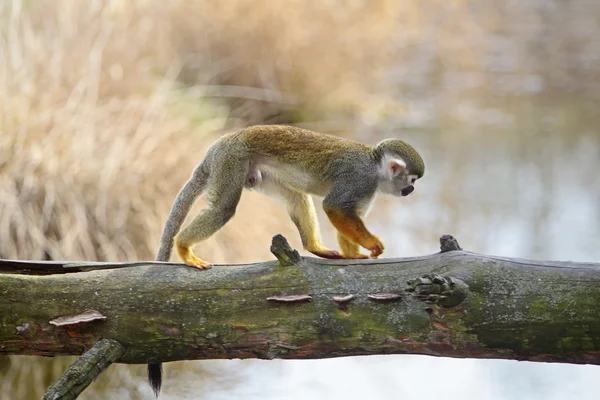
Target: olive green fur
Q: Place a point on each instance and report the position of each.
(412, 158)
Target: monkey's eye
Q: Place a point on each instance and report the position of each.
(413, 180)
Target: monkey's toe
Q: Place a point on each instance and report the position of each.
(201, 266)
(359, 256)
(196, 262)
(326, 253)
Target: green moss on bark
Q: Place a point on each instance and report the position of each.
(162, 313)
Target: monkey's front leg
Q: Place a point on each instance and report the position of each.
(346, 201)
(349, 249)
(351, 226)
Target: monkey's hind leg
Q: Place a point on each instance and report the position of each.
(302, 211)
(224, 191)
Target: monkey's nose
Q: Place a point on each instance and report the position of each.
(407, 190)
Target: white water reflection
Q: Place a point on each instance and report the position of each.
(383, 377)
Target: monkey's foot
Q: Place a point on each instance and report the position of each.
(350, 250)
(190, 259)
(358, 255)
(324, 252)
(335, 255)
(196, 262)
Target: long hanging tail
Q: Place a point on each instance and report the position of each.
(180, 209)
(155, 377)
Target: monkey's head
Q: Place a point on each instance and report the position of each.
(400, 166)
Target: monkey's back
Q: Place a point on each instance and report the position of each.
(299, 147)
(299, 158)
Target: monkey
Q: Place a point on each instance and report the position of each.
(291, 164)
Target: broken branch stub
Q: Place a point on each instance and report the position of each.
(448, 243)
(286, 255)
(85, 369)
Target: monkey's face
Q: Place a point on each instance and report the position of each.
(397, 179)
(407, 190)
(407, 184)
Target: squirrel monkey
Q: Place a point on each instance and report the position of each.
(291, 164)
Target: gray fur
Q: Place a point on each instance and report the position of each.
(181, 207)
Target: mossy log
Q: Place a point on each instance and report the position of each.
(453, 303)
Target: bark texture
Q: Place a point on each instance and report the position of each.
(453, 303)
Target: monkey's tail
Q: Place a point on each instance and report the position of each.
(155, 377)
(180, 209)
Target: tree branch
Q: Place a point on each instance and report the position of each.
(453, 303)
(83, 371)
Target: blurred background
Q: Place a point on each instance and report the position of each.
(107, 106)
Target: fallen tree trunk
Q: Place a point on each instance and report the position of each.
(454, 303)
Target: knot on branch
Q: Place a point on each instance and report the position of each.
(448, 243)
(437, 289)
(286, 255)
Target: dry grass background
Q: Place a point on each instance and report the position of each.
(106, 107)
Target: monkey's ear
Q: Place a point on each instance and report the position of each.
(396, 166)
